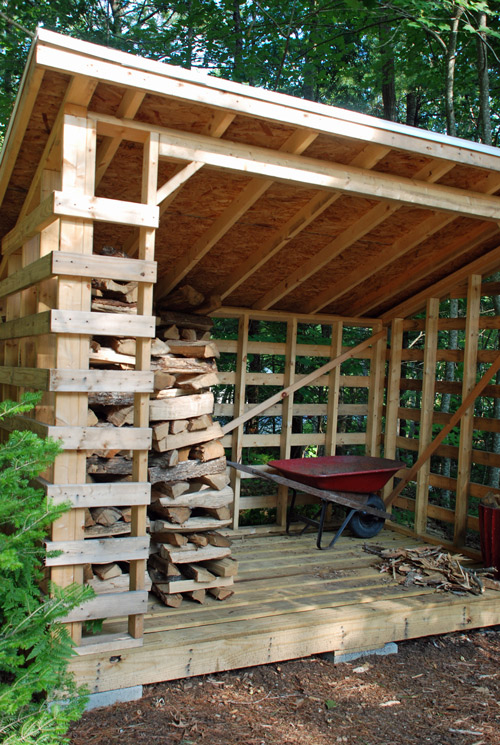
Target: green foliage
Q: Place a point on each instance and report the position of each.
(34, 647)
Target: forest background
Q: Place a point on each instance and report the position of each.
(433, 64)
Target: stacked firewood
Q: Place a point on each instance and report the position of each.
(187, 466)
(190, 496)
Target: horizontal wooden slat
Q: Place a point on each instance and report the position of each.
(110, 606)
(85, 438)
(117, 494)
(436, 512)
(483, 424)
(298, 410)
(449, 324)
(442, 482)
(446, 355)
(105, 643)
(481, 457)
(79, 322)
(455, 388)
(130, 381)
(349, 381)
(97, 551)
(278, 348)
(62, 204)
(263, 441)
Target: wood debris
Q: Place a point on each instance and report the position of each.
(432, 566)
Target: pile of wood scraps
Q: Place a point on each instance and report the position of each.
(432, 566)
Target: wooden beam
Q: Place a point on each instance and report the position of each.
(286, 415)
(393, 396)
(132, 72)
(79, 322)
(353, 352)
(467, 423)
(79, 91)
(432, 447)
(333, 407)
(427, 408)
(281, 315)
(486, 264)
(65, 204)
(302, 171)
(239, 410)
(376, 394)
(128, 108)
(367, 158)
(296, 143)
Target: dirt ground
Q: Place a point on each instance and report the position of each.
(442, 690)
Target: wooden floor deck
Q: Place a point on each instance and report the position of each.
(290, 601)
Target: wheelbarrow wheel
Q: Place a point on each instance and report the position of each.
(364, 525)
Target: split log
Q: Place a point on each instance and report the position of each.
(185, 320)
(207, 451)
(106, 531)
(116, 584)
(212, 303)
(199, 539)
(184, 453)
(163, 380)
(106, 305)
(91, 418)
(108, 356)
(183, 298)
(223, 567)
(203, 498)
(182, 407)
(112, 289)
(127, 514)
(197, 382)
(188, 334)
(190, 553)
(172, 491)
(216, 480)
(170, 332)
(175, 515)
(199, 349)
(105, 398)
(106, 515)
(219, 513)
(171, 600)
(172, 364)
(220, 593)
(197, 572)
(107, 571)
(89, 520)
(165, 567)
(199, 422)
(162, 440)
(120, 415)
(190, 525)
(177, 426)
(174, 539)
(129, 346)
(197, 595)
(88, 574)
(216, 539)
(116, 466)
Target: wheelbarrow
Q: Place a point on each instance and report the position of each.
(349, 480)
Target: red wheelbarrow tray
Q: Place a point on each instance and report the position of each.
(349, 473)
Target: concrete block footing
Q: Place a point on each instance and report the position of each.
(117, 696)
(337, 657)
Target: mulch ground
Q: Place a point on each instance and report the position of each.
(441, 690)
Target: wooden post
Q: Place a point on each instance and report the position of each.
(393, 396)
(239, 410)
(72, 350)
(467, 423)
(376, 394)
(332, 407)
(143, 362)
(427, 412)
(287, 414)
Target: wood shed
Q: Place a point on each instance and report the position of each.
(129, 187)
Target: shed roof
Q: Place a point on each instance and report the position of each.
(270, 201)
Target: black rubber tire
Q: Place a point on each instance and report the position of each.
(364, 525)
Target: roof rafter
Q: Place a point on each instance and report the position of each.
(485, 265)
(296, 143)
(368, 157)
(348, 237)
(429, 264)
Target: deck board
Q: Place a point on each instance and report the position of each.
(291, 600)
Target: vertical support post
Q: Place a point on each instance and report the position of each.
(71, 350)
(287, 414)
(376, 395)
(393, 396)
(332, 406)
(467, 423)
(239, 409)
(427, 412)
(143, 362)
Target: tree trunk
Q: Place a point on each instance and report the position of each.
(238, 74)
(388, 72)
(451, 56)
(494, 472)
(484, 80)
(412, 108)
